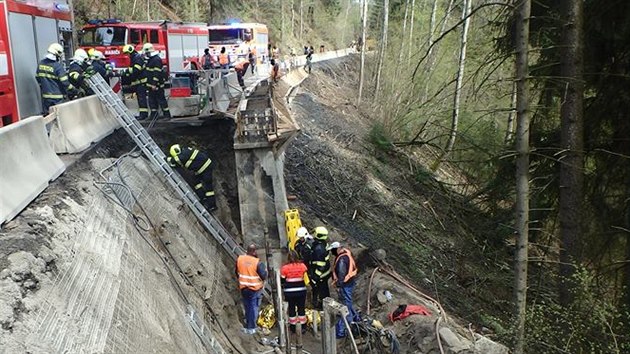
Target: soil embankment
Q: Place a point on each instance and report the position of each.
(117, 267)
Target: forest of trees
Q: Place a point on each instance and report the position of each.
(529, 100)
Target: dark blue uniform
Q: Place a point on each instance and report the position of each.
(156, 79)
(137, 80)
(197, 162)
(53, 82)
(77, 73)
(103, 68)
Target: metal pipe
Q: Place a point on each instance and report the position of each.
(282, 336)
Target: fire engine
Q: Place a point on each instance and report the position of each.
(238, 39)
(180, 45)
(27, 28)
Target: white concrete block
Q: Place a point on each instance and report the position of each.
(27, 164)
(80, 123)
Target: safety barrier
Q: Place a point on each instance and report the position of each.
(27, 164)
(220, 96)
(233, 86)
(80, 123)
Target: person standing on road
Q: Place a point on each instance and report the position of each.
(251, 273)
(206, 60)
(344, 278)
(251, 57)
(294, 279)
(241, 69)
(135, 77)
(309, 59)
(198, 163)
(156, 78)
(319, 267)
(224, 59)
(52, 78)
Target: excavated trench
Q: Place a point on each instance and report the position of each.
(122, 266)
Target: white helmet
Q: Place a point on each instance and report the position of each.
(56, 49)
(334, 245)
(80, 55)
(147, 48)
(302, 232)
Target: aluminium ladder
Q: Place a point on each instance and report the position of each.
(142, 138)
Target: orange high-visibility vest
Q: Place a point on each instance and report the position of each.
(352, 267)
(247, 268)
(224, 59)
(240, 66)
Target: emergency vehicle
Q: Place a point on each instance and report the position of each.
(180, 45)
(27, 28)
(238, 39)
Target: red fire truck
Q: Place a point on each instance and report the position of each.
(27, 28)
(180, 45)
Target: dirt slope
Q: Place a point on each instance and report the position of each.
(381, 199)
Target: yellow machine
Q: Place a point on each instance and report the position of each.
(292, 223)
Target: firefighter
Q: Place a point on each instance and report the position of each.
(52, 78)
(198, 163)
(79, 70)
(304, 245)
(251, 273)
(156, 78)
(319, 267)
(100, 65)
(294, 279)
(344, 278)
(135, 76)
(241, 69)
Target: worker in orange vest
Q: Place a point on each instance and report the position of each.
(294, 280)
(241, 69)
(251, 274)
(224, 59)
(344, 278)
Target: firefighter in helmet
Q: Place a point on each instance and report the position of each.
(135, 77)
(52, 78)
(100, 65)
(200, 165)
(79, 70)
(319, 267)
(156, 78)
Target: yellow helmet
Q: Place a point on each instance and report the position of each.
(320, 233)
(175, 150)
(128, 49)
(147, 47)
(56, 49)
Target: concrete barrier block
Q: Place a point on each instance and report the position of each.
(184, 106)
(27, 164)
(220, 96)
(233, 87)
(80, 123)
